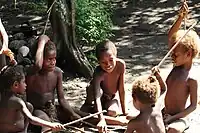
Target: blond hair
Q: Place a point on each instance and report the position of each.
(190, 41)
(146, 89)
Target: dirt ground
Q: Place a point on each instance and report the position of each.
(140, 34)
(140, 31)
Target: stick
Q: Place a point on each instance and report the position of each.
(185, 18)
(176, 44)
(81, 119)
(49, 13)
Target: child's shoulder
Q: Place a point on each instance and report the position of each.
(15, 102)
(120, 64)
(58, 70)
(120, 61)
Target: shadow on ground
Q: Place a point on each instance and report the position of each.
(140, 29)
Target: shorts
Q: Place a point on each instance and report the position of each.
(181, 124)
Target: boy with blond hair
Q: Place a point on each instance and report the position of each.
(181, 82)
(145, 93)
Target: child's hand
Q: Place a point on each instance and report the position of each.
(44, 37)
(167, 119)
(57, 126)
(155, 70)
(8, 53)
(102, 126)
(183, 11)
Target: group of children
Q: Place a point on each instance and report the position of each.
(43, 80)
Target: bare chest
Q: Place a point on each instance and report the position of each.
(110, 83)
(42, 83)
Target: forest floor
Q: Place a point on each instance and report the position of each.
(140, 34)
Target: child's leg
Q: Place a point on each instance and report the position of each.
(113, 106)
(178, 126)
(88, 106)
(42, 115)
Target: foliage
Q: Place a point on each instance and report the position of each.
(93, 21)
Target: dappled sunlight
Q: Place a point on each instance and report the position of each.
(141, 33)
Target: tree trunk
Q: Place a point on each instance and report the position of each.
(71, 57)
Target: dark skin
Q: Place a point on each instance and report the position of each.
(148, 121)
(15, 114)
(42, 86)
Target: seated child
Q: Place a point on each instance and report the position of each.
(43, 80)
(145, 92)
(107, 83)
(14, 112)
(181, 82)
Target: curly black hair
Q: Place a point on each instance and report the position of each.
(49, 46)
(146, 89)
(10, 74)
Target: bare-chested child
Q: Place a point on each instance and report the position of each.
(181, 82)
(13, 110)
(145, 92)
(45, 83)
(106, 89)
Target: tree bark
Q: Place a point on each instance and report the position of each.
(72, 58)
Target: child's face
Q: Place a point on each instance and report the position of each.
(20, 87)
(180, 56)
(107, 61)
(49, 61)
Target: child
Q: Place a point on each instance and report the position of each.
(145, 92)
(43, 80)
(181, 82)
(107, 83)
(13, 110)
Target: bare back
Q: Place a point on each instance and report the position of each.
(147, 122)
(11, 116)
(41, 87)
(178, 90)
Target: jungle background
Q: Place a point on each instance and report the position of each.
(137, 27)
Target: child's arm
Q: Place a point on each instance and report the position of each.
(98, 93)
(43, 39)
(4, 36)
(37, 121)
(175, 27)
(162, 83)
(61, 99)
(121, 89)
(193, 85)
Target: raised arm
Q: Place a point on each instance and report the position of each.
(163, 85)
(43, 39)
(37, 121)
(176, 26)
(121, 88)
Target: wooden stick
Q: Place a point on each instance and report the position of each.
(176, 44)
(78, 120)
